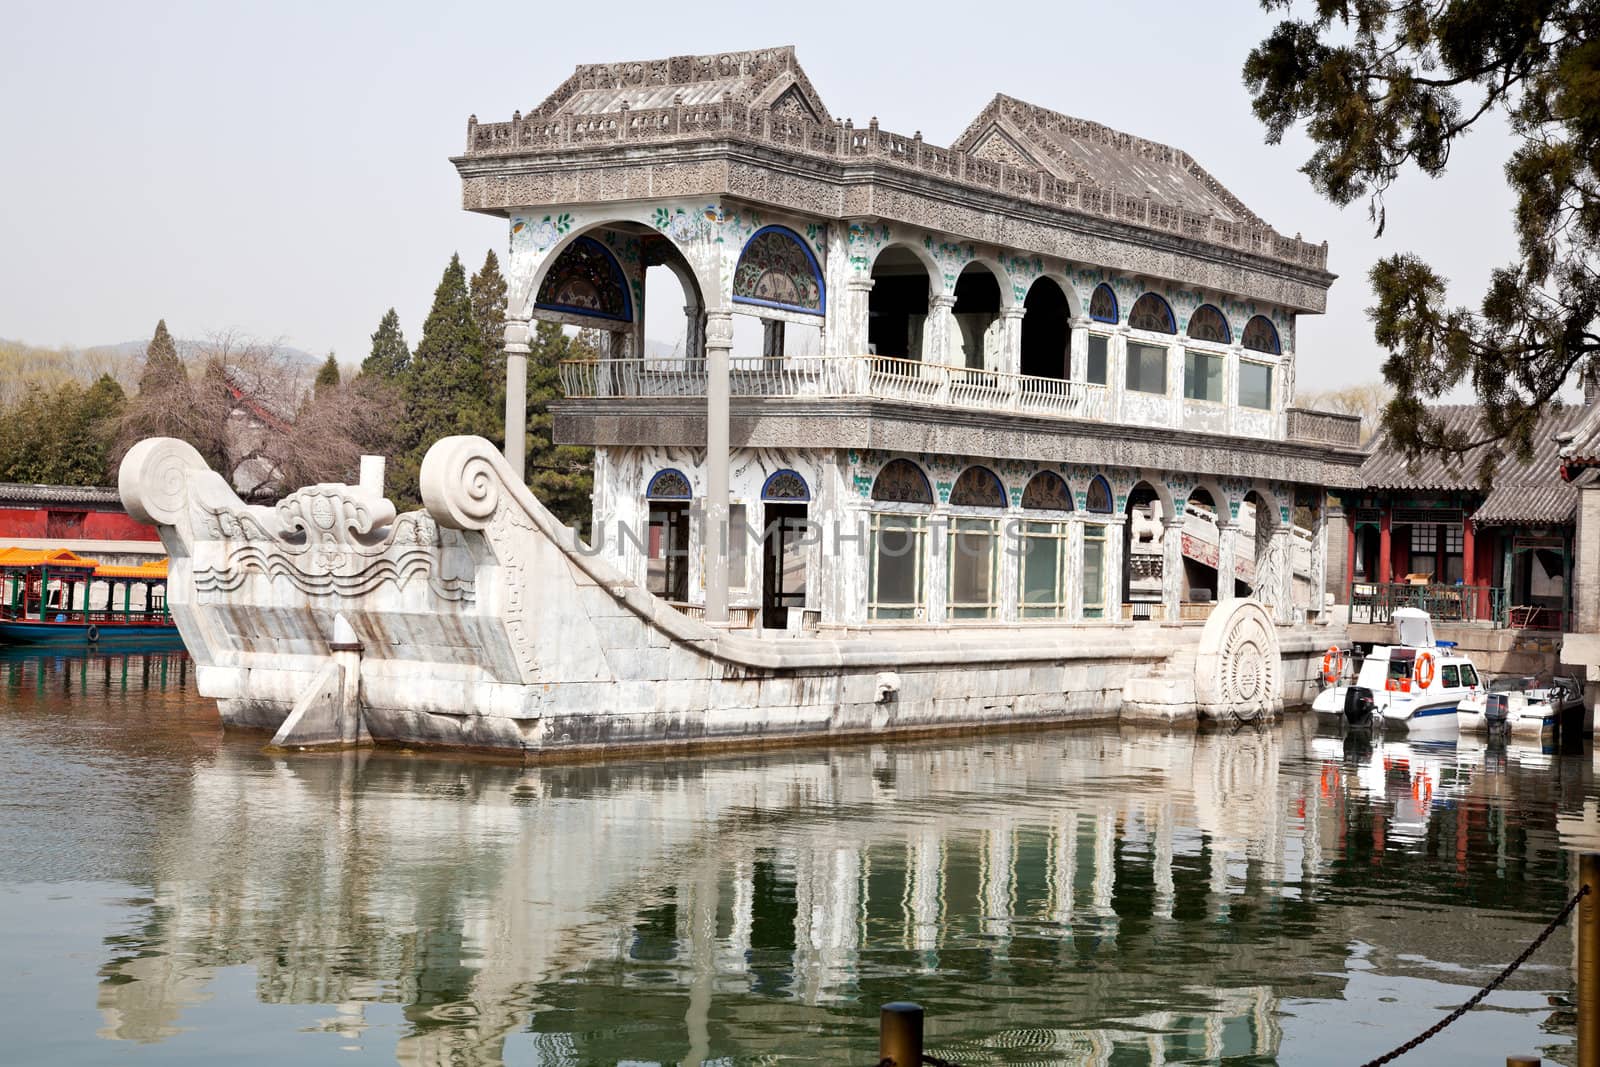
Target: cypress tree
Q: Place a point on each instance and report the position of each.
(327, 376)
(561, 476)
(489, 312)
(162, 367)
(390, 357)
(445, 388)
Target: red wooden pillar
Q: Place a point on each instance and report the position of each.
(1385, 562)
(1350, 535)
(1469, 550)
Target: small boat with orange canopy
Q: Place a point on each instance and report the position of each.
(57, 597)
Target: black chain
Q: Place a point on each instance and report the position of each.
(1477, 998)
(1494, 983)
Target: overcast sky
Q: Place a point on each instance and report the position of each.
(282, 170)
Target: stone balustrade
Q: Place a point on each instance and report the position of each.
(1324, 428)
(881, 377)
(734, 120)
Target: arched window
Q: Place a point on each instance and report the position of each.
(785, 485)
(1098, 499)
(902, 482)
(777, 269)
(668, 484)
(1103, 304)
(1208, 324)
(1151, 312)
(1046, 491)
(1261, 336)
(974, 587)
(978, 487)
(587, 280)
(1043, 567)
(899, 544)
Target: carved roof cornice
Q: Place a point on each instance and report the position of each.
(763, 98)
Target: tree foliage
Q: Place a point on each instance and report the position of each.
(445, 389)
(162, 367)
(561, 476)
(327, 375)
(390, 357)
(1384, 86)
(61, 435)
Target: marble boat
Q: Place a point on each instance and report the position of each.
(481, 622)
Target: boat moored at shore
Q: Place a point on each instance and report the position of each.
(1416, 683)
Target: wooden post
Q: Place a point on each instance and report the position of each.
(900, 1034)
(1589, 961)
(1385, 560)
(1522, 1061)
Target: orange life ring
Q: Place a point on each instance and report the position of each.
(1332, 664)
(1425, 670)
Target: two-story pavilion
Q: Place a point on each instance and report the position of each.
(1011, 346)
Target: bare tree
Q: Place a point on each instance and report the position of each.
(248, 409)
(1367, 400)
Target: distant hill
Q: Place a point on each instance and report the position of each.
(190, 349)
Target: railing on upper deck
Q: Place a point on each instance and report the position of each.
(1373, 602)
(1324, 428)
(881, 377)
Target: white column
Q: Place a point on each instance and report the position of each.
(1172, 564)
(772, 338)
(719, 346)
(1175, 382)
(1227, 559)
(694, 336)
(852, 339)
(939, 333)
(1162, 861)
(1011, 339)
(1117, 371)
(516, 349)
(1078, 351)
(1075, 571)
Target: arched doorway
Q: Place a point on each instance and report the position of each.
(779, 281)
(1142, 552)
(1046, 330)
(785, 502)
(897, 306)
(977, 315)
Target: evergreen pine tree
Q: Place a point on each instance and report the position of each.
(446, 388)
(327, 376)
(162, 367)
(489, 312)
(561, 476)
(390, 357)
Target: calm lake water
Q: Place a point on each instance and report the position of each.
(168, 894)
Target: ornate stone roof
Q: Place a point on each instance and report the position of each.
(1026, 135)
(768, 78)
(1014, 150)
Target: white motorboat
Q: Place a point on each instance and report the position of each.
(1417, 683)
(1524, 708)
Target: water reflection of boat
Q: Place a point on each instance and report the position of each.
(46, 595)
(1415, 683)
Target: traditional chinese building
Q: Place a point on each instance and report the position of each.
(1050, 334)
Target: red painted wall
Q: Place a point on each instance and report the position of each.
(62, 524)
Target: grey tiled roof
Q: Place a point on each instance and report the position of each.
(13, 493)
(1531, 492)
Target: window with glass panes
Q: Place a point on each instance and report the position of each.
(1094, 571)
(1099, 356)
(1255, 385)
(1043, 569)
(1147, 368)
(1202, 376)
(974, 592)
(895, 564)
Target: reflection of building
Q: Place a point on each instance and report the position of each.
(1052, 883)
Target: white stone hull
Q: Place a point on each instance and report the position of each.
(483, 623)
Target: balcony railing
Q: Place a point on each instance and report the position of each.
(881, 377)
(1324, 428)
(1375, 603)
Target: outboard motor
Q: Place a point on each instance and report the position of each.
(1496, 711)
(1359, 705)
